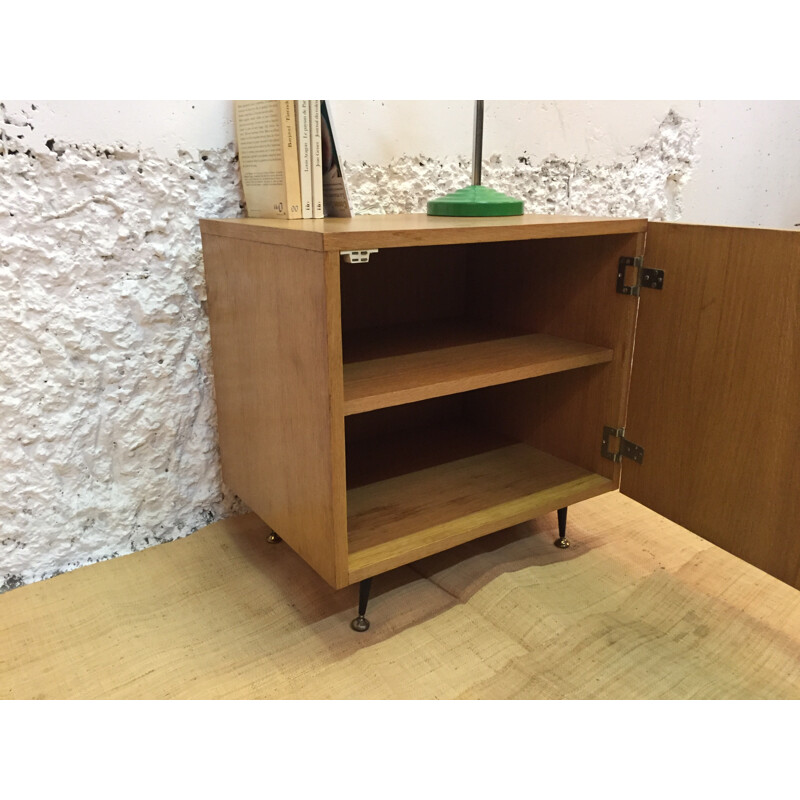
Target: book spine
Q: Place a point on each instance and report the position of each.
(291, 163)
(302, 114)
(318, 208)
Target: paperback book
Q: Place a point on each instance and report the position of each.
(266, 138)
(302, 114)
(288, 160)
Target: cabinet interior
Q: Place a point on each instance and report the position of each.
(477, 381)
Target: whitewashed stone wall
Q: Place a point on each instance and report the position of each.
(108, 442)
(646, 182)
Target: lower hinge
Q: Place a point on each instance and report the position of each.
(645, 278)
(356, 256)
(626, 449)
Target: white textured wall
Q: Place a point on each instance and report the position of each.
(745, 158)
(109, 442)
(645, 182)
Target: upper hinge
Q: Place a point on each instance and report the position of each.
(626, 449)
(356, 256)
(647, 278)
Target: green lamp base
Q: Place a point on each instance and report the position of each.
(475, 201)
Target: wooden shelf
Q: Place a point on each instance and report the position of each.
(397, 520)
(390, 375)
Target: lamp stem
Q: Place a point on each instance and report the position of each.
(477, 147)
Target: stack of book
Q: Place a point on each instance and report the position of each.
(288, 161)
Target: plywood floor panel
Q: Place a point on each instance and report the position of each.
(637, 608)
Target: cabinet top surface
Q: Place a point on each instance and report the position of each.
(408, 230)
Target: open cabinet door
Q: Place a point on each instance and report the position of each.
(715, 390)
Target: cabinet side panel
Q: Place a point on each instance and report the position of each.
(567, 288)
(268, 309)
(715, 392)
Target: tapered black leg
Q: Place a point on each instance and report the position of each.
(361, 623)
(562, 540)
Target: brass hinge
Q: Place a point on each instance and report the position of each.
(356, 256)
(626, 449)
(645, 278)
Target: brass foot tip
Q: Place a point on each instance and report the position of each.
(273, 538)
(360, 624)
(562, 543)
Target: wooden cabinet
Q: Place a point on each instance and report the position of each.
(471, 374)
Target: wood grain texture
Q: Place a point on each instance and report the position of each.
(397, 448)
(401, 339)
(715, 395)
(401, 286)
(637, 608)
(283, 442)
(564, 288)
(413, 230)
(333, 320)
(398, 520)
(276, 344)
(265, 231)
(373, 425)
(407, 378)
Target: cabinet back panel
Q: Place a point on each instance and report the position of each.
(403, 285)
(402, 418)
(560, 414)
(564, 287)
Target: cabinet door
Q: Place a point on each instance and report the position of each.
(715, 390)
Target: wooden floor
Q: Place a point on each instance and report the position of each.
(637, 608)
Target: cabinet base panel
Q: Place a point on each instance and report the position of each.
(401, 519)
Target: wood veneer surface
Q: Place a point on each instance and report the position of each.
(563, 288)
(276, 344)
(407, 378)
(715, 390)
(410, 230)
(403, 518)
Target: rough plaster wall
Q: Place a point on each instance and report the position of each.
(645, 183)
(109, 442)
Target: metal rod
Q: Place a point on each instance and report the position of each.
(477, 148)
(363, 596)
(562, 522)
(562, 540)
(361, 623)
